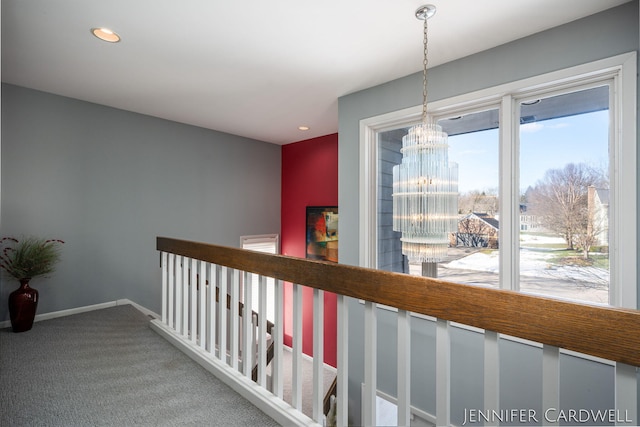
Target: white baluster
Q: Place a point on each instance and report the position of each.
(222, 311)
(318, 354)
(234, 317)
(550, 380)
(214, 277)
(171, 285)
(202, 300)
(262, 331)
(165, 286)
(185, 297)
(254, 339)
(193, 300)
(277, 335)
(404, 368)
(626, 395)
(342, 416)
(491, 375)
(370, 363)
(443, 373)
(210, 296)
(179, 294)
(296, 394)
(247, 331)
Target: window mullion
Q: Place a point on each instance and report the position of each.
(509, 195)
(623, 204)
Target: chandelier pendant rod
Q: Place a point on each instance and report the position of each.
(425, 63)
(424, 13)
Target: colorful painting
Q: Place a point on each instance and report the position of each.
(322, 233)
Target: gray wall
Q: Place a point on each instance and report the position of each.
(609, 33)
(390, 256)
(109, 181)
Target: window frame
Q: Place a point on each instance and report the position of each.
(618, 71)
(271, 240)
(259, 239)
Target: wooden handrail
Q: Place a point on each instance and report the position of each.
(606, 332)
(332, 391)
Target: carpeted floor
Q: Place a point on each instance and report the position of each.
(307, 381)
(108, 368)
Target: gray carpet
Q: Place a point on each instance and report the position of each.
(108, 368)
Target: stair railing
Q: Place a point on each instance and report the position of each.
(603, 332)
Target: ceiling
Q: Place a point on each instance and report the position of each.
(253, 68)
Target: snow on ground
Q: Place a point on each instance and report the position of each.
(538, 274)
(538, 239)
(533, 263)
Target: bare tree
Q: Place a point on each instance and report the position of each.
(560, 200)
(478, 201)
(474, 232)
(592, 226)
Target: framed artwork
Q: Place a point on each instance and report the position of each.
(322, 233)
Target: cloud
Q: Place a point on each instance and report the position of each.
(531, 127)
(538, 126)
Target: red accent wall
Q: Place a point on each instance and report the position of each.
(309, 178)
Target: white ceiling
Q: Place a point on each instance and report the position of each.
(254, 68)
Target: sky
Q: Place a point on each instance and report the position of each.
(544, 145)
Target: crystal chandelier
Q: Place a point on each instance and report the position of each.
(425, 184)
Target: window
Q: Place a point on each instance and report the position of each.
(267, 243)
(564, 188)
(516, 145)
(474, 146)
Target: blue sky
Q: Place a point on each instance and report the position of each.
(544, 145)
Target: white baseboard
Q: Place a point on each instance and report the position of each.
(77, 310)
(142, 309)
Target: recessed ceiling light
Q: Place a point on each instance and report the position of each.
(106, 35)
(303, 128)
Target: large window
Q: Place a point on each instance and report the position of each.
(547, 183)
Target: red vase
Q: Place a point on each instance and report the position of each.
(22, 306)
